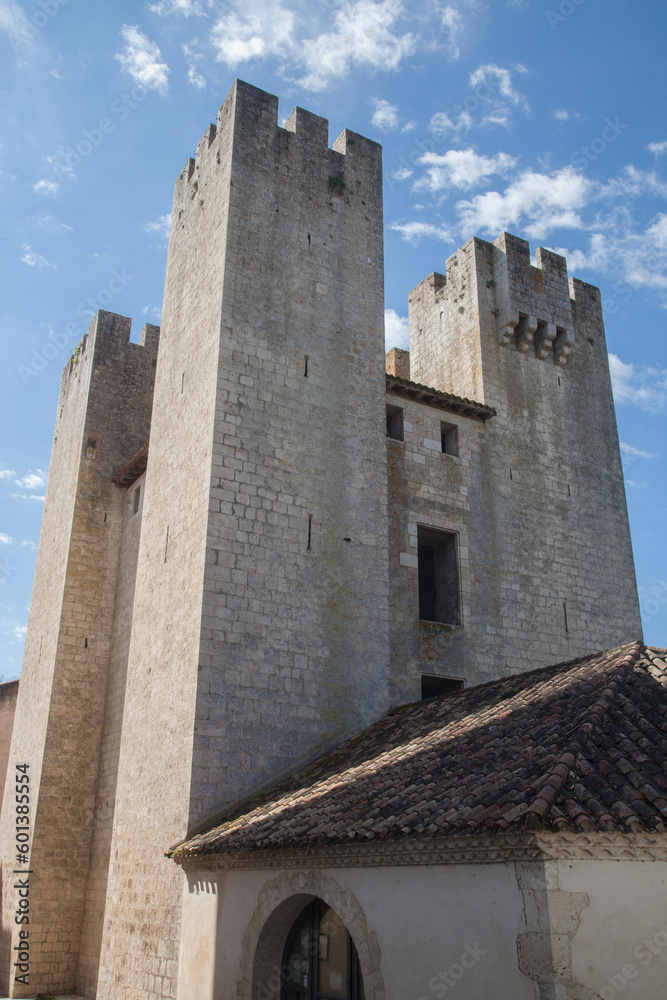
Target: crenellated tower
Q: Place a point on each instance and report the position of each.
(549, 572)
(260, 623)
(70, 659)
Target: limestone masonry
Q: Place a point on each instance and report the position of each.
(259, 539)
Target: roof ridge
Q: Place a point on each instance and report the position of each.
(560, 770)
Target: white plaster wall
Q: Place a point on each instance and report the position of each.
(426, 920)
(620, 948)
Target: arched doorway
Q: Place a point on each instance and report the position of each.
(320, 960)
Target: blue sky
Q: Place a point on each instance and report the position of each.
(543, 118)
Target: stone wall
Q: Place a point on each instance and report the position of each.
(8, 695)
(550, 558)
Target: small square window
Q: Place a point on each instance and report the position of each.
(449, 435)
(395, 423)
(438, 576)
(434, 685)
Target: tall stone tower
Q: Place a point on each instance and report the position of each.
(74, 646)
(549, 572)
(260, 623)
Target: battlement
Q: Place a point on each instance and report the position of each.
(533, 303)
(251, 113)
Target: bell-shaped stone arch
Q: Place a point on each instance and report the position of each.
(279, 904)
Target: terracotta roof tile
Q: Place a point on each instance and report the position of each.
(579, 745)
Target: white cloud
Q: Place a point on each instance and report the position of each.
(493, 86)
(18, 633)
(561, 114)
(25, 496)
(56, 74)
(537, 203)
(413, 232)
(490, 75)
(361, 33)
(462, 168)
(160, 225)
(441, 124)
(28, 545)
(46, 187)
(452, 21)
(32, 481)
(193, 58)
(5, 539)
(7, 473)
(628, 449)
(260, 30)
(364, 34)
(14, 21)
(185, 7)
(402, 174)
(34, 259)
(657, 148)
(396, 331)
(643, 385)
(141, 59)
(385, 116)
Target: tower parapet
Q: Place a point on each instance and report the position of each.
(533, 304)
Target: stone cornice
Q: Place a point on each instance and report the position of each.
(590, 846)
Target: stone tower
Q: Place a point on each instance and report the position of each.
(549, 572)
(260, 621)
(74, 644)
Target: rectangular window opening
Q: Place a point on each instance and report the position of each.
(449, 436)
(438, 576)
(395, 422)
(137, 500)
(434, 685)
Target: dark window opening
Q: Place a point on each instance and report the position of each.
(438, 577)
(449, 436)
(137, 499)
(320, 961)
(395, 423)
(433, 685)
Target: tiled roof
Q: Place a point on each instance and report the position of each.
(577, 746)
(134, 468)
(441, 400)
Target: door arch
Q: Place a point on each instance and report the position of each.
(320, 961)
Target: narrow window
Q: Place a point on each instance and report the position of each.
(91, 448)
(434, 685)
(137, 499)
(449, 436)
(320, 960)
(395, 423)
(438, 576)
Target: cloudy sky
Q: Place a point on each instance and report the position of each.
(543, 117)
